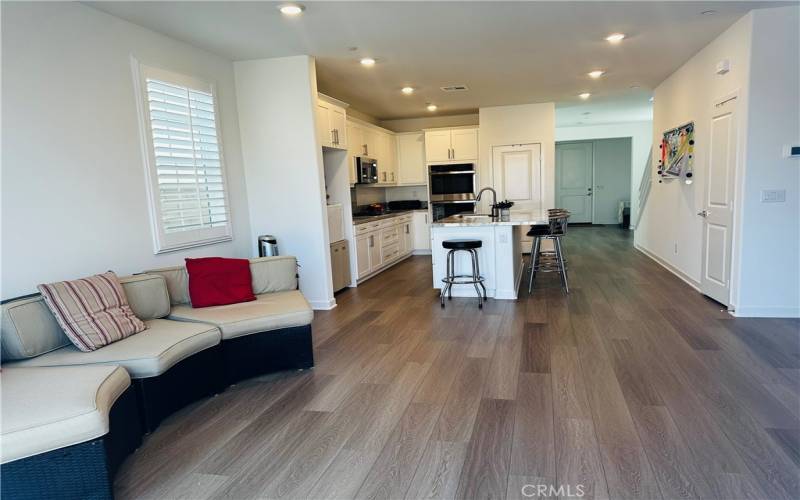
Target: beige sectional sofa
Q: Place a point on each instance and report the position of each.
(269, 334)
(183, 355)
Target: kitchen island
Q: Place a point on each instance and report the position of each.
(500, 256)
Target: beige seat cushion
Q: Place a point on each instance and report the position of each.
(146, 354)
(270, 311)
(45, 409)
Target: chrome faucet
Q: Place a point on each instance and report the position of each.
(494, 200)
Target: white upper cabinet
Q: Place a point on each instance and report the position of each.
(370, 139)
(373, 142)
(437, 145)
(331, 123)
(411, 159)
(464, 143)
(338, 125)
(456, 144)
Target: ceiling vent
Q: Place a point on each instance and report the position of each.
(454, 88)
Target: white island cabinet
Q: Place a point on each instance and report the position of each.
(500, 256)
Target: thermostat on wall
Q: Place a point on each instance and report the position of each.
(791, 151)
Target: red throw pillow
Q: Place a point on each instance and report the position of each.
(216, 281)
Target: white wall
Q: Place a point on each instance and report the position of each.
(641, 134)
(74, 200)
(415, 124)
(284, 166)
(769, 278)
(763, 50)
(670, 228)
(521, 124)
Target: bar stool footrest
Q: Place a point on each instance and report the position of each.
(463, 279)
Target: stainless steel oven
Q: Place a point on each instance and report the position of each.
(452, 189)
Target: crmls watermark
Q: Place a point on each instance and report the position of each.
(550, 490)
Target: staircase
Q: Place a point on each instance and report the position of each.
(644, 188)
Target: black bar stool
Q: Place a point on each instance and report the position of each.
(549, 261)
(475, 279)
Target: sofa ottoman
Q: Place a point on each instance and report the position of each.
(65, 430)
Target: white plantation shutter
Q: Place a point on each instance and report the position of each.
(189, 204)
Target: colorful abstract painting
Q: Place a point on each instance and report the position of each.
(677, 151)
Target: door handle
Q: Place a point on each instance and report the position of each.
(704, 213)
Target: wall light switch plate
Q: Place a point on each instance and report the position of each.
(773, 195)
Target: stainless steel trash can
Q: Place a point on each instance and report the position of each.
(267, 246)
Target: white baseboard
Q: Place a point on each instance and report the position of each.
(322, 305)
(421, 252)
(767, 312)
(669, 267)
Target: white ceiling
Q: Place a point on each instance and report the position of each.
(629, 105)
(506, 52)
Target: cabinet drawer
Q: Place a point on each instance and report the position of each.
(392, 221)
(366, 227)
(389, 235)
(391, 252)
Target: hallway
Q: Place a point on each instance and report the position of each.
(633, 386)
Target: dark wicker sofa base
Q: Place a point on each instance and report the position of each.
(196, 377)
(267, 352)
(81, 471)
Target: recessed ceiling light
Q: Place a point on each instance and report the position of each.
(585, 95)
(368, 61)
(615, 37)
(431, 107)
(635, 86)
(596, 73)
(709, 12)
(291, 9)
(407, 90)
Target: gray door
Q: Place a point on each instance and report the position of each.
(574, 179)
(612, 178)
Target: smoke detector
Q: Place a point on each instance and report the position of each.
(454, 88)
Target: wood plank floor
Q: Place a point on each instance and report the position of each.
(632, 386)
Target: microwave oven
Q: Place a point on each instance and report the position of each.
(366, 170)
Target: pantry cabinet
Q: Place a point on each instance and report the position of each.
(456, 144)
(411, 159)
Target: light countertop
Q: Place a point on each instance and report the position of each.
(515, 218)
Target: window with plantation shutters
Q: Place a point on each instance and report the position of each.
(189, 203)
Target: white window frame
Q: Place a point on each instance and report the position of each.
(162, 241)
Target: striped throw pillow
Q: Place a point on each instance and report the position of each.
(92, 311)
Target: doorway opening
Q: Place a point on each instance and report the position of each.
(593, 180)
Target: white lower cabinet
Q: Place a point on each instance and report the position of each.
(422, 231)
(381, 244)
(362, 254)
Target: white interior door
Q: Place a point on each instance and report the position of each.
(574, 179)
(718, 212)
(517, 173)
